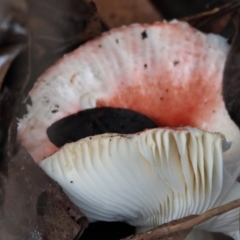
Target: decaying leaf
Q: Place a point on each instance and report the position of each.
(207, 16)
(124, 12)
(216, 19)
(32, 205)
(42, 211)
(54, 33)
(171, 9)
(41, 208)
(231, 77)
(21, 5)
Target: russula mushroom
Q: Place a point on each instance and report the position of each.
(170, 72)
(149, 178)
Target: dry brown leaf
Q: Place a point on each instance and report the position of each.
(214, 20)
(33, 205)
(19, 4)
(231, 83)
(124, 12)
(54, 33)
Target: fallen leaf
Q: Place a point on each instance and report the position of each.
(171, 9)
(231, 77)
(53, 33)
(215, 20)
(125, 12)
(207, 16)
(34, 207)
(21, 5)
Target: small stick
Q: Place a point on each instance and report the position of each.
(227, 7)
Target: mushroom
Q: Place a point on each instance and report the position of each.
(149, 178)
(168, 71)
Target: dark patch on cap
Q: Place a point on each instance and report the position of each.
(176, 62)
(144, 34)
(95, 121)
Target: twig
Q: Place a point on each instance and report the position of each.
(169, 229)
(213, 11)
(204, 14)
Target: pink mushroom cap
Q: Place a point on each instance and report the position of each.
(168, 71)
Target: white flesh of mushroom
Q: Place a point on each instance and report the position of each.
(149, 178)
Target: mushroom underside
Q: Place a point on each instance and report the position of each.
(149, 178)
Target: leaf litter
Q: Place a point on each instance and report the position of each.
(28, 45)
(42, 210)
